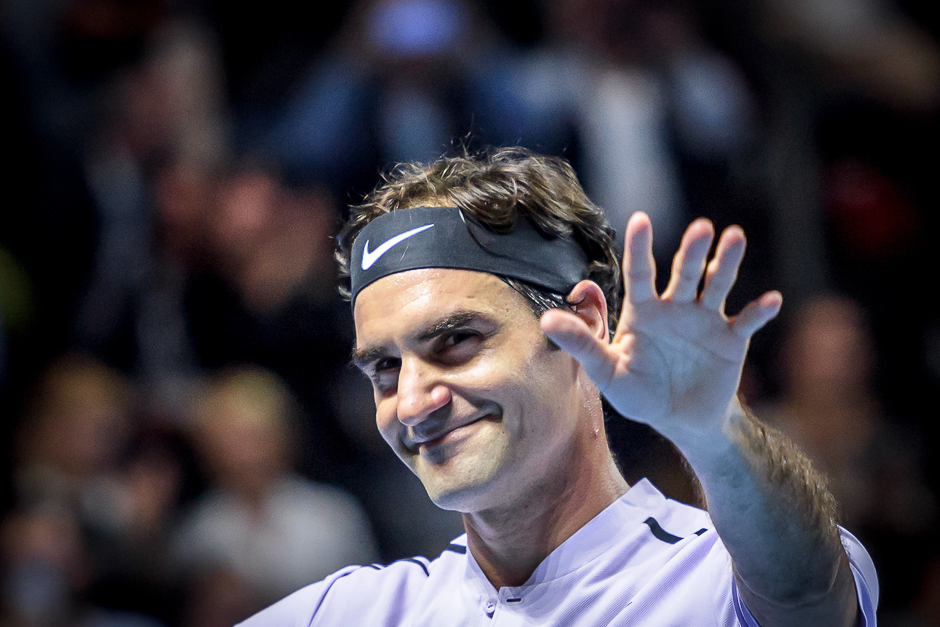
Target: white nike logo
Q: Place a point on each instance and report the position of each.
(369, 258)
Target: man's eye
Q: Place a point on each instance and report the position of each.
(458, 337)
(387, 364)
(462, 343)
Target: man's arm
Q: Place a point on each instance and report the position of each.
(675, 363)
(776, 517)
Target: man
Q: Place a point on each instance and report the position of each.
(498, 412)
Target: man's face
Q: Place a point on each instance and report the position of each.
(468, 392)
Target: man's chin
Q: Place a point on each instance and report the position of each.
(463, 476)
(459, 494)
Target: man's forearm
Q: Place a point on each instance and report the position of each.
(777, 520)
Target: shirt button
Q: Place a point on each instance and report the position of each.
(490, 606)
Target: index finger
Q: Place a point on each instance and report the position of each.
(639, 268)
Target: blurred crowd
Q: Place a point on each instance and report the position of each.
(185, 441)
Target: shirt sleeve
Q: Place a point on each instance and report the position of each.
(866, 585)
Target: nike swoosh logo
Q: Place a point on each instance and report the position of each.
(370, 257)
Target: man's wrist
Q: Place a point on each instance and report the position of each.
(712, 447)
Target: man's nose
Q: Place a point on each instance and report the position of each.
(420, 391)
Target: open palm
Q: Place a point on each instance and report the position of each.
(675, 360)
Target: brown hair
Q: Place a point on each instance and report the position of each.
(495, 189)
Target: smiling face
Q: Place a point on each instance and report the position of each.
(468, 392)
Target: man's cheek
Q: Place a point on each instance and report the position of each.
(389, 431)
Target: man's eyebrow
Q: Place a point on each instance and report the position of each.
(362, 357)
(454, 321)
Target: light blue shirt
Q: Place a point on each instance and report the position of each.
(645, 560)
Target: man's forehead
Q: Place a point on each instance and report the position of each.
(437, 286)
(421, 297)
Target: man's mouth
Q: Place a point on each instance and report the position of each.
(448, 435)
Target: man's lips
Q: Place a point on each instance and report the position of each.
(448, 435)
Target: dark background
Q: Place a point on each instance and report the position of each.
(175, 170)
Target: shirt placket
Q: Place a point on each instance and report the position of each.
(497, 609)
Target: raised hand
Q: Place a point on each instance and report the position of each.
(675, 360)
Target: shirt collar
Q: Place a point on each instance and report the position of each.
(586, 544)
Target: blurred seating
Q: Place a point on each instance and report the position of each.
(259, 520)
(85, 515)
(829, 407)
(172, 217)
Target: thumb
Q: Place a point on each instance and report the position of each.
(575, 337)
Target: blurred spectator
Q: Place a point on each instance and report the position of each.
(622, 111)
(78, 450)
(872, 218)
(655, 104)
(393, 87)
(878, 234)
(219, 597)
(170, 109)
(865, 45)
(165, 358)
(828, 407)
(72, 439)
(844, 79)
(65, 50)
(259, 520)
(270, 242)
(72, 464)
(46, 570)
(266, 295)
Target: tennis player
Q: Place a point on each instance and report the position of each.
(486, 292)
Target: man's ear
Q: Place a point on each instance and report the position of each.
(588, 302)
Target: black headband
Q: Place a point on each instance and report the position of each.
(441, 237)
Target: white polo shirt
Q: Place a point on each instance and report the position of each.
(645, 560)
